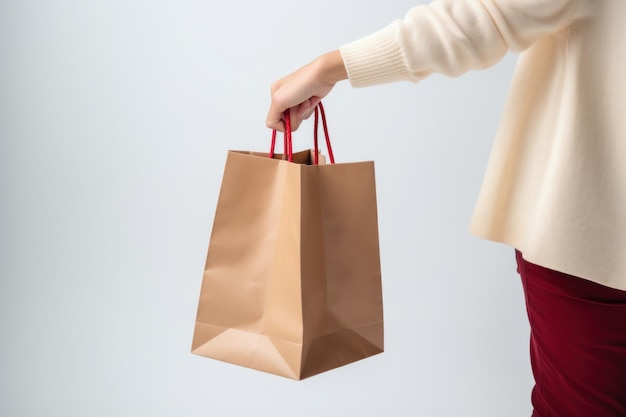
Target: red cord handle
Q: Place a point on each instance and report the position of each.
(288, 142)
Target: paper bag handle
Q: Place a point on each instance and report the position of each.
(288, 142)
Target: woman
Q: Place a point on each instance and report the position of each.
(555, 185)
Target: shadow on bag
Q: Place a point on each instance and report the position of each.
(292, 282)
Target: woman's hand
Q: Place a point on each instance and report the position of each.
(300, 91)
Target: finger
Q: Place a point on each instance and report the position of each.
(274, 119)
(314, 101)
(278, 125)
(301, 112)
(296, 114)
(308, 114)
(295, 118)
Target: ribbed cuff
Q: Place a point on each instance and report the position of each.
(376, 58)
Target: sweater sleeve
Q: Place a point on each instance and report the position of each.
(452, 37)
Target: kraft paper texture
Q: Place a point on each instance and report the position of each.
(292, 282)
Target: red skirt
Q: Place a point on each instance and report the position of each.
(577, 344)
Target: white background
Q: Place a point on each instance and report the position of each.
(115, 119)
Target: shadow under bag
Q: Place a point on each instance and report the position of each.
(292, 282)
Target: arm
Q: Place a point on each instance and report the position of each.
(451, 37)
(447, 36)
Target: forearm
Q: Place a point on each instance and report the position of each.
(451, 37)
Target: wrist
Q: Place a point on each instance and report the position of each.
(332, 68)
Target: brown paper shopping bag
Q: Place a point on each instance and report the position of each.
(292, 282)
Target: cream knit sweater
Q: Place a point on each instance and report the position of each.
(555, 185)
